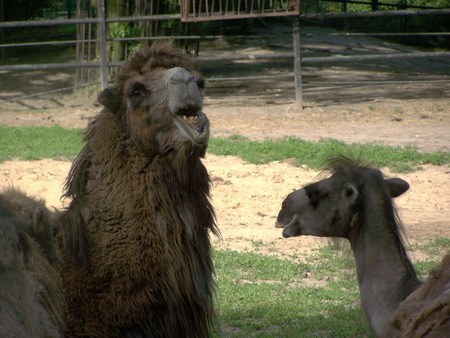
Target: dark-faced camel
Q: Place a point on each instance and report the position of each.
(355, 202)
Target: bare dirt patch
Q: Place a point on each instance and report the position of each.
(247, 199)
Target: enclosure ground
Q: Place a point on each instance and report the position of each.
(396, 103)
(247, 198)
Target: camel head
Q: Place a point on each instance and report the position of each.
(158, 99)
(329, 207)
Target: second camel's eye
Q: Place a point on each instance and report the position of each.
(200, 83)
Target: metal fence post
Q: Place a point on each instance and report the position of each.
(297, 63)
(102, 42)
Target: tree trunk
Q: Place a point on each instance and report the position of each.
(2, 33)
(374, 5)
(115, 9)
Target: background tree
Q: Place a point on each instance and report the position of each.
(16, 10)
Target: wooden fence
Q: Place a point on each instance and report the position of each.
(102, 21)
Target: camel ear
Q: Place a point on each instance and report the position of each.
(110, 98)
(396, 186)
(351, 193)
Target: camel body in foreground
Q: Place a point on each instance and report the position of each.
(426, 311)
(31, 301)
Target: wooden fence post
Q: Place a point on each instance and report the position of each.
(297, 63)
(102, 43)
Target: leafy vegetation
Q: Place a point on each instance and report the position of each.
(126, 30)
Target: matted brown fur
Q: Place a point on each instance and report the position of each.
(31, 302)
(136, 247)
(426, 312)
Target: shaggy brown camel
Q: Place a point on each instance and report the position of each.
(31, 302)
(426, 312)
(135, 240)
(355, 202)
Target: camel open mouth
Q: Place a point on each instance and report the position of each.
(196, 120)
(192, 124)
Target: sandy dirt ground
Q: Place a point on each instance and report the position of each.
(248, 197)
(391, 110)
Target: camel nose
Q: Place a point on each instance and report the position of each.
(278, 225)
(179, 75)
(183, 90)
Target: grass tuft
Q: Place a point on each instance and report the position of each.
(34, 143)
(314, 154)
(266, 296)
(260, 296)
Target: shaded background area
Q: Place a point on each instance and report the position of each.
(267, 81)
(272, 81)
(327, 29)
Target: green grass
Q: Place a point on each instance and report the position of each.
(313, 154)
(32, 143)
(268, 297)
(262, 296)
(434, 249)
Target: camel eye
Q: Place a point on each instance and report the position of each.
(313, 198)
(137, 90)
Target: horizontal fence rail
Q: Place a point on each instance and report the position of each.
(320, 59)
(288, 55)
(59, 22)
(376, 3)
(368, 14)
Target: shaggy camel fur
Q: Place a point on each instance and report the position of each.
(426, 312)
(31, 301)
(135, 240)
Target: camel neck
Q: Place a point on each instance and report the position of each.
(385, 274)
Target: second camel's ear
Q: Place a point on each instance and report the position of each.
(110, 98)
(351, 193)
(396, 186)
